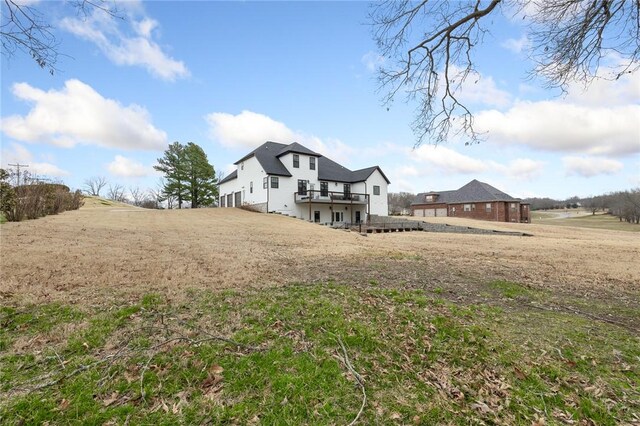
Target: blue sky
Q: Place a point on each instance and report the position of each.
(231, 75)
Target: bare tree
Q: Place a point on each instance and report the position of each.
(26, 29)
(430, 45)
(116, 193)
(137, 195)
(94, 185)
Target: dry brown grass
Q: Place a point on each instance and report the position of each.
(103, 252)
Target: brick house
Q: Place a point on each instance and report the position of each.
(475, 200)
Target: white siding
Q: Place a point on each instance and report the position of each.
(379, 203)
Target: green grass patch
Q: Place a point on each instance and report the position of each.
(598, 221)
(510, 289)
(273, 357)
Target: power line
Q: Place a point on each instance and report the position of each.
(17, 166)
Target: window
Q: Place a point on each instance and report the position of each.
(251, 187)
(429, 198)
(296, 161)
(339, 216)
(376, 190)
(302, 187)
(312, 163)
(513, 206)
(242, 166)
(467, 207)
(347, 191)
(324, 189)
(274, 182)
(265, 181)
(222, 200)
(487, 207)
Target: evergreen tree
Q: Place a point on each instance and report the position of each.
(201, 177)
(188, 175)
(173, 164)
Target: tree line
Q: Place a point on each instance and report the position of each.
(625, 205)
(188, 178)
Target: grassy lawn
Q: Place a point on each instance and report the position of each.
(2, 218)
(283, 356)
(598, 221)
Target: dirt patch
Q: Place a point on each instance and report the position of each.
(100, 254)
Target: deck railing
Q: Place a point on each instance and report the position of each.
(320, 196)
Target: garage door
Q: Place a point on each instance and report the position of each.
(441, 212)
(429, 212)
(418, 212)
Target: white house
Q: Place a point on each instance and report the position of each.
(293, 180)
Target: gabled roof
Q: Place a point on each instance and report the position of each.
(297, 149)
(363, 174)
(268, 155)
(231, 176)
(474, 191)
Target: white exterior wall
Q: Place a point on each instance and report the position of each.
(249, 171)
(379, 203)
(283, 199)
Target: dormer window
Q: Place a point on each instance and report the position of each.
(430, 198)
(296, 161)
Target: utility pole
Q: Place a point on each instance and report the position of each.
(17, 166)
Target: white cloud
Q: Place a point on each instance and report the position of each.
(19, 154)
(599, 120)
(438, 159)
(246, 130)
(520, 169)
(137, 49)
(249, 130)
(372, 61)
(476, 89)
(127, 167)
(517, 45)
(591, 166)
(565, 127)
(78, 114)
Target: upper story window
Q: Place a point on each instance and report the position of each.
(513, 206)
(324, 189)
(265, 181)
(376, 190)
(430, 198)
(296, 161)
(275, 182)
(312, 163)
(251, 187)
(347, 190)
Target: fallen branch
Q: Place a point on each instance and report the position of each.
(357, 376)
(579, 312)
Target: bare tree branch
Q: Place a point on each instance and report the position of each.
(26, 29)
(428, 48)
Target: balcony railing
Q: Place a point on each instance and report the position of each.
(319, 196)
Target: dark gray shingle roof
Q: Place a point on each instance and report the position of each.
(474, 191)
(268, 155)
(231, 176)
(298, 149)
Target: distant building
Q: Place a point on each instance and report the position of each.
(293, 180)
(475, 200)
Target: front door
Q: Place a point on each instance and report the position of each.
(302, 187)
(358, 216)
(316, 216)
